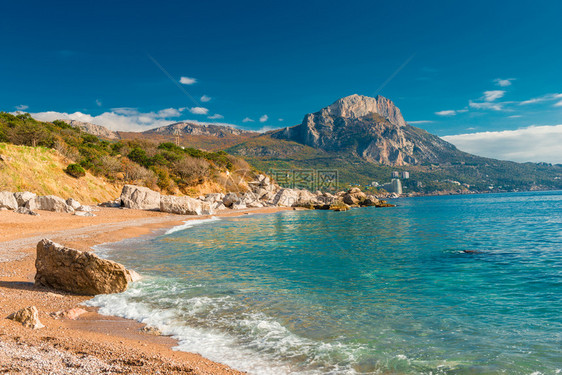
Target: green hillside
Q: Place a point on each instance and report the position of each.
(165, 166)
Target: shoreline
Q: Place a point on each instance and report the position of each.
(93, 342)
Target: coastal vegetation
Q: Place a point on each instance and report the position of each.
(164, 167)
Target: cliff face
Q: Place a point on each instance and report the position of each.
(97, 130)
(370, 128)
(191, 128)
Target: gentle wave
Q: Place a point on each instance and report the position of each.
(224, 330)
(190, 224)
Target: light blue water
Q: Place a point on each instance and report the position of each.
(365, 291)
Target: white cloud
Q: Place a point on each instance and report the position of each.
(215, 116)
(541, 99)
(205, 99)
(170, 112)
(266, 128)
(420, 122)
(533, 143)
(199, 111)
(280, 120)
(187, 80)
(123, 119)
(98, 102)
(559, 104)
(485, 105)
(264, 118)
(247, 119)
(492, 95)
(503, 82)
(449, 112)
(22, 107)
(514, 116)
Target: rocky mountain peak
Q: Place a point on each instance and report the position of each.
(356, 106)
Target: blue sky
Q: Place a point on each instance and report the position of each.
(490, 68)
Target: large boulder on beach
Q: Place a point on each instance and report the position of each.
(79, 272)
(140, 198)
(185, 205)
(28, 317)
(286, 197)
(229, 199)
(49, 203)
(8, 201)
(22, 197)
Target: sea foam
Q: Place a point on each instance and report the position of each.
(190, 223)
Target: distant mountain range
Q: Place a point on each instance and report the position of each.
(364, 138)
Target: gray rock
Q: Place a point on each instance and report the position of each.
(83, 213)
(219, 206)
(8, 201)
(73, 203)
(25, 211)
(286, 198)
(23, 197)
(184, 205)
(140, 198)
(239, 206)
(229, 199)
(78, 272)
(50, 203)
(214, 197)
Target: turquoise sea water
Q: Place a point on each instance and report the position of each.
(438, 285)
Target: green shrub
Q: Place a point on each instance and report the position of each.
(75, 170)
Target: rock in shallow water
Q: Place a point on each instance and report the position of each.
(77, 271)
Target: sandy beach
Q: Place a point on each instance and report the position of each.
(93, 343)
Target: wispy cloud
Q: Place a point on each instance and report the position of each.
(199, 110)
(559, 104)
(514, 116)
(205, 99)
(540, 99)
(187, 80)
(98, 102)
(533, 143)
(280, 120)
(420, 122)
(503, 82)
(216, 116)
(170, 112)
(492, 95)
(264, 118)
(247, 119)
(448, 112)
(485, 105)
(22, 107)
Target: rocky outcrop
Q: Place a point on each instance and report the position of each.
(97, 130)
(49, 203)
(184, 205)
(140, 198)
(357, 106)
(78, 272)
(28, 317)
(8, 201)
(372, 129)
